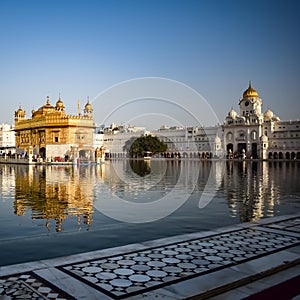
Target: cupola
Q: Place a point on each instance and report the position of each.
(268, 115)
(232, 113)
(88, 110)
(250, 92)
(59, 104)
(44, 110)
(20, 113)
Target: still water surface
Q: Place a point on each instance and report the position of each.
(50, 211)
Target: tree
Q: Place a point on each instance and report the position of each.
(138, 147)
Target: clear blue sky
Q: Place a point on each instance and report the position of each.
(80, 48)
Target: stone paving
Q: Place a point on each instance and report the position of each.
(180, 267)
(28, 286)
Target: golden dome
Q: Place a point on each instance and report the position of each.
(250, 92)
(43, 110)
(59, 104)
(88, 106)
(20, 112)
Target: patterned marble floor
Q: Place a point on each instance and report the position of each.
(129, 274)
(289, 225)
(137, 270)
(28, 286)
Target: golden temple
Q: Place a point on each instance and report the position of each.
(52, 135)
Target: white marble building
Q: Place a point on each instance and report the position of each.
(115, 137)
(254, 134)
(191, 142)
(249, 133)
(7, 139)
(183, 142)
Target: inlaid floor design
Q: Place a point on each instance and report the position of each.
(289, 225)
(28, 286)
(136, 272)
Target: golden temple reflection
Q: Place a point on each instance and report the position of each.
(54, 194)
(58, 197)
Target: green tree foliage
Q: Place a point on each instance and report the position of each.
(138, 147)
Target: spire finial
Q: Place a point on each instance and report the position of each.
(250, 84)
(78, 106)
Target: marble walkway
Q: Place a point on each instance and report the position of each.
(233, 262)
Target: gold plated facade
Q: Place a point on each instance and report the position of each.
(52, 134)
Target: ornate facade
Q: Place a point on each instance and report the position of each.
(254, 134)
(52, 135)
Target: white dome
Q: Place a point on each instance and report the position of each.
(217, 139)
(268, 115)
(232, 113)
(264, 138)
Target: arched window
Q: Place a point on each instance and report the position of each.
(242, 135)
(253, 135)
(229, 136)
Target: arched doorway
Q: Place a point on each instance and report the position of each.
(254, 150)
(42, 152)
(241, 147)
(229, 148)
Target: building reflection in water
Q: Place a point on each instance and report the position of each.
(54, 193)
(252, 190)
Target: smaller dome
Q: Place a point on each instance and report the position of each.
(217, 140)
(268, 115)
(20, 112)
(59, 104)
(232, 113)
(264, 138)
(250, 92)
(88, 106)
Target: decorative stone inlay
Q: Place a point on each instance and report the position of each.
(288, 225)
(144, 270)
(28, 286)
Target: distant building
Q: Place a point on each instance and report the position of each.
(254, 134)
(51, 134)
(7, 139)
(116, 136)
(183, 142)
(191, 142)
